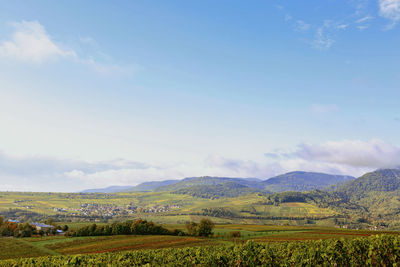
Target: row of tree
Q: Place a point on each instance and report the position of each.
(143, 227)
(138, 227)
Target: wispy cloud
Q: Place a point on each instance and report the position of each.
(323, 39)
(302, 26)
(364, 19)
(31, 43)
(390, 9)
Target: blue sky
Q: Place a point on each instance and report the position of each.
(98, 93)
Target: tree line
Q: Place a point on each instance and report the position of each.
(143, 227)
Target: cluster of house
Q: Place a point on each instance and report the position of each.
(41, 226)
(110, 210)
(18, 203)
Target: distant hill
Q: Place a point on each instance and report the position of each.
(110, 189)
(292, 181)
(208, 180)
(150, 186)
(303, 181)
(383, 180)
(143, 187)
(229, 189)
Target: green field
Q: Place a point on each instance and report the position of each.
(246, 209)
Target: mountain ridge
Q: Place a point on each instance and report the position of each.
(291, 181)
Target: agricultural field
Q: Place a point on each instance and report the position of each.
(377, 250)
(175, 208)
(11, 248)
(35, 246)
(60, 245)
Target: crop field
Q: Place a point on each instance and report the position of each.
(378, 250)
(59, 245)
(36, 246)
(247, 209)
(11, 248)
(120, 243)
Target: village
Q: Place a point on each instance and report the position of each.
(110, 210)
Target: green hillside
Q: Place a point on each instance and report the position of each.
(150, 186)
(385, 180)
(229, 189)
(302, 181)
(208, 180)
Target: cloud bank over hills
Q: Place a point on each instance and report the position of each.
(348, 157)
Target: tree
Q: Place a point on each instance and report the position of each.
(49, 221)
(205, 227)
(234, 234)
(192, 228)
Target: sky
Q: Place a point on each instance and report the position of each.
(100, 93)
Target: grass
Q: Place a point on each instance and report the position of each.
(121, 243)
(12, 248)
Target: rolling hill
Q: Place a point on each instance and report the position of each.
(110, 189)
(229, 189)
(208, 180)
(303, 181)
(292, 181)
(383, 180)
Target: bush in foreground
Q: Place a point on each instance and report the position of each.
(383, 250)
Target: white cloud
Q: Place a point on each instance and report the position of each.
(349, 157)
(30, 42)
(302, 26)
(364, 19)
(390, 9)
(355, 153)
(323, 39)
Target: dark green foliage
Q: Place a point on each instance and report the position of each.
(138, 227)
(285, 197)
(218, 212)
(381, 180)
(204, 228)
(381, 250)
(234, 234)
(229, 189)
(302, 181)
(207, 180)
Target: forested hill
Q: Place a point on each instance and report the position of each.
(208, 180)
(385, 180)
(303, 181)
(150, 186)
(229, 189)
(293, 181)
